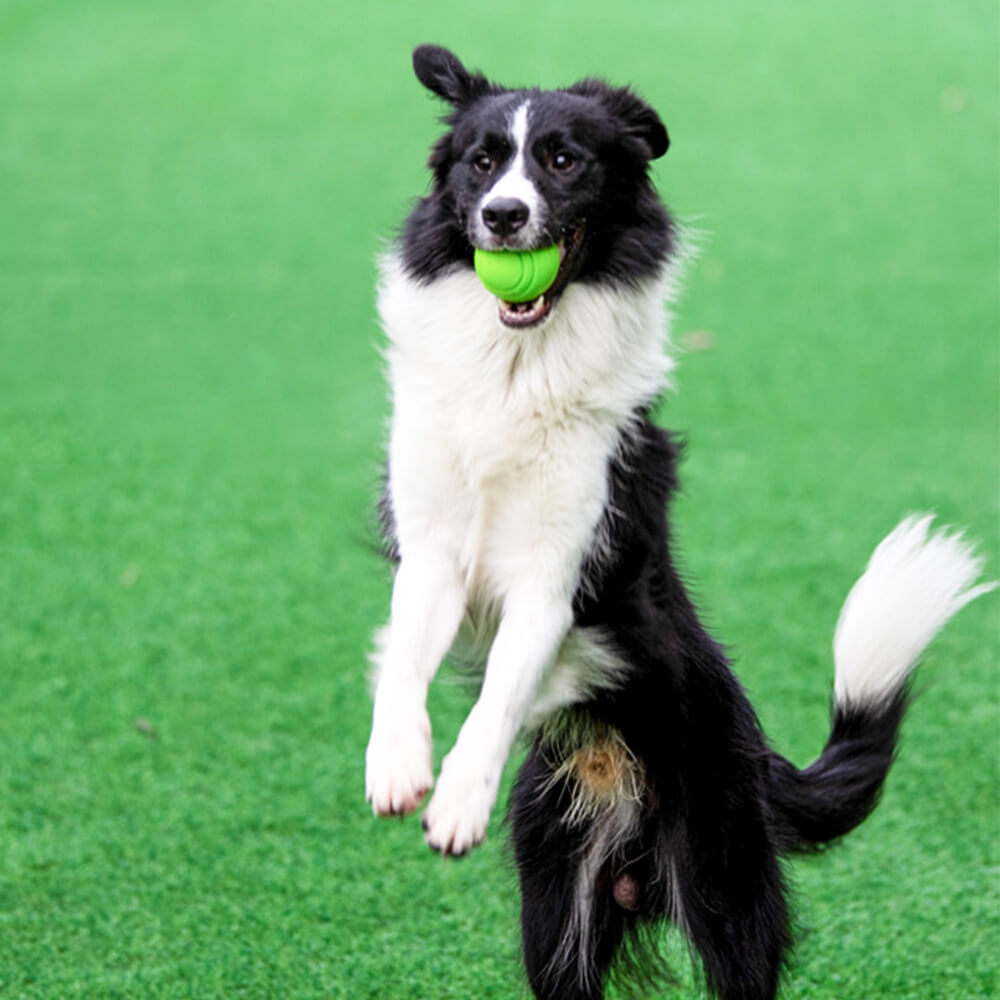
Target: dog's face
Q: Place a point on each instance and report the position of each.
(525, 169)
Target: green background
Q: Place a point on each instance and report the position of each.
(192, 412)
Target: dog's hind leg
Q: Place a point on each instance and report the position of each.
(729, 890)
(738, 923)
(567, 844)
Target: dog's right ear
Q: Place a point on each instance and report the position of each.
(441, 72)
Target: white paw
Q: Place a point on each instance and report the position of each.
(455, 821)
(398, 771)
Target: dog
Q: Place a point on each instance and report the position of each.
(525, 509)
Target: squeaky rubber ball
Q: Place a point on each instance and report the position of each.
(517, 275)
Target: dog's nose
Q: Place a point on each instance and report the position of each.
(505, 216)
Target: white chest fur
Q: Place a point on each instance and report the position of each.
(501, 438)
(498, 468)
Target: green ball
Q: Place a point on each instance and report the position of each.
(517, 275)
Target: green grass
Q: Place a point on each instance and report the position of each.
(191, 416)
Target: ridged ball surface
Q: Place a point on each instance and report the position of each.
(517, 275)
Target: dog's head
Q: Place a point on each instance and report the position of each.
(525, 169)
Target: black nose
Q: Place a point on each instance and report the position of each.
(505, 216)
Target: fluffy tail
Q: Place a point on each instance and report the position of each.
(914, 583)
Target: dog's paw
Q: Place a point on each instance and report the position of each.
(398, 772)
(455, 821)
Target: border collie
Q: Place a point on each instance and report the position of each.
(526, 510)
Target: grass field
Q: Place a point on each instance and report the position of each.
(192, 195)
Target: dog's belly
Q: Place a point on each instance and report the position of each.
(586, 663)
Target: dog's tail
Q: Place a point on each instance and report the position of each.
(913, 584)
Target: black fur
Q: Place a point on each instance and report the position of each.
(721, 805)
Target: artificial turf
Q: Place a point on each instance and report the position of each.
(191, 416)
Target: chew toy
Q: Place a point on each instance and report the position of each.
(517, 275)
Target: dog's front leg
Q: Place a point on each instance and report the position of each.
(533, 626)
(428, 601)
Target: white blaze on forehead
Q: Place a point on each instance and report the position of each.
(519, 129)
(514, 182)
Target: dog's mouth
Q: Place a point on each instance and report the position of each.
(520, 315)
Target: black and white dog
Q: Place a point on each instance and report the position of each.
(526, 507)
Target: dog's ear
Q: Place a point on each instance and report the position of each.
(643, 122)
(639, 121)
(441, 73)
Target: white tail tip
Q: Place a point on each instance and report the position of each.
(914, 583)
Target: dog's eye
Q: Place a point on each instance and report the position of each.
(483, 163)
(563, 161)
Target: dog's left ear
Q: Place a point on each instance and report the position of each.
(639, 120)
(643, 122)
(441, 72)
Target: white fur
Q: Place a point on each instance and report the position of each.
(609, 831)
(913, 584)
(498, 463)
(585, 663)
(515, 183)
